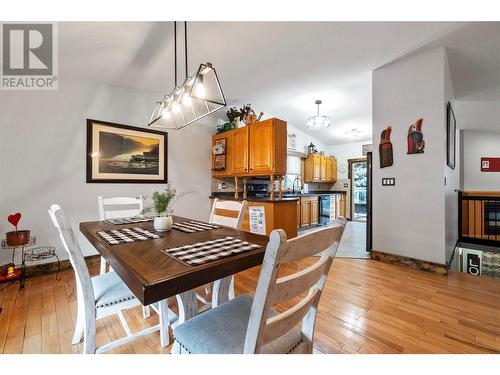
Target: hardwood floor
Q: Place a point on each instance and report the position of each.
(366, 307)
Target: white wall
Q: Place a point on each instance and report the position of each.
(452, 176)
(477, 144)
(409, 219)
(345, 152)
(42, 156)
(303, 139)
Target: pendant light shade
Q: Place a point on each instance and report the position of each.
(198, 96)
(318, 122)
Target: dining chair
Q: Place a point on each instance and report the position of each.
(121, 208)
(249, 324)
(117, 208)
(234, 212)
(100, 296)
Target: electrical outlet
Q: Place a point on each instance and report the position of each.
(222, 186)
(388, 181)
(346, 184)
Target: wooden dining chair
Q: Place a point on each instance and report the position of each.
(249, 324)
(228, 214)
(100, 296)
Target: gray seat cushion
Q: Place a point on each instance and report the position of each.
(109, 289)
(222, 330)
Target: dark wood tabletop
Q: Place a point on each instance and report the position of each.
(153, 275)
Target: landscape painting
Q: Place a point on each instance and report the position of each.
(121, 153)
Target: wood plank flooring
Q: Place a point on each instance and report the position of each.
(366, 307)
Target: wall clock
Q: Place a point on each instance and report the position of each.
(342, 168)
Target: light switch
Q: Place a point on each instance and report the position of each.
(388, 181)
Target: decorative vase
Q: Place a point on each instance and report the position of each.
(17, 238)
(163, 223)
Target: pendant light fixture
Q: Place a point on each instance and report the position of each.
(318, 122)
(199, 95)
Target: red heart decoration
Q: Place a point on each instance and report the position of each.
(14, 219)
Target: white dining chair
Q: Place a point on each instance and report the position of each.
(118, 208)
(235, 211)
(249, 324)
(101, 296)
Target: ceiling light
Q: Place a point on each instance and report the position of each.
(200, 94)
(318, 122)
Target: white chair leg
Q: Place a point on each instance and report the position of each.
(124, 323)
(103, 266)
(164, 323)
(80, 326)
(231, 288)
(146, 312)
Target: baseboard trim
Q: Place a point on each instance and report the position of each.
(43, 269)
(418, 264)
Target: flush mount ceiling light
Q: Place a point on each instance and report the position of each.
(354, 133)
(199, 95)
(318, 122)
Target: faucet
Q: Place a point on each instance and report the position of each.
(301, 184)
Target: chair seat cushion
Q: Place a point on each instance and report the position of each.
(222, 330)
(109, 289)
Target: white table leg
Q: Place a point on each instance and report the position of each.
(164, 323)
(188, 308)
(222, 291)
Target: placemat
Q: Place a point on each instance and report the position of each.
(127, 235)
(208, 251)
(194, 226)
(128, 220)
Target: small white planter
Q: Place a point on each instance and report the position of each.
(163, 223)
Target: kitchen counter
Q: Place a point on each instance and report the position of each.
(287, 197)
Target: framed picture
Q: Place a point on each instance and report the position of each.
(125, 154)
(451, 134)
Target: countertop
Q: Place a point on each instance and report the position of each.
(287, 197)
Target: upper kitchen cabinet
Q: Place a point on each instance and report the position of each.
(268, 148)
(319, 168)
(255, 150)
(240, 151)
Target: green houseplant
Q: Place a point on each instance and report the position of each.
(161, 209)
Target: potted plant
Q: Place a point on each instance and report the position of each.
(162, 208)
(17, 237)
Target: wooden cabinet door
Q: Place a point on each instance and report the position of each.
(298, 213)
(305, 213)
(261, 147)
(314, 211)
(317, 167)
(322, 162)
(329, 170)
(240, 151)
(334, 169)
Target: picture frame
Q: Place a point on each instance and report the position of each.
(451, 136)
(118, 153)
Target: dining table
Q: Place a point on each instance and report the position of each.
(153, 276)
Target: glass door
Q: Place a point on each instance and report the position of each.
(358, 174)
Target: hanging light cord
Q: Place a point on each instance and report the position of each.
(186, 46)
(175, 52)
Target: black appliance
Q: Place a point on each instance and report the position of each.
(324, 210)
(258, 190)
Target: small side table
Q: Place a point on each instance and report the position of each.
(29, 253)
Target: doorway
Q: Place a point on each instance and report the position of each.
(358, 176)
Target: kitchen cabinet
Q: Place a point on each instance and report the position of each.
(309, 211)
(320, 168)
(256, 150)
(239, 155)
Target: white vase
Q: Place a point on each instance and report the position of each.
(163, 223)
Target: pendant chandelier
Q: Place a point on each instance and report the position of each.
(199, 95)
(318, 122)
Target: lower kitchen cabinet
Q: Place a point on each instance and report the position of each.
(309, 211)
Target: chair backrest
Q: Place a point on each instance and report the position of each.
(228, 213)
(105, 213)
(85, 291)
(272, 290)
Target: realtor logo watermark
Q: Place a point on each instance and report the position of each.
(29, 56)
